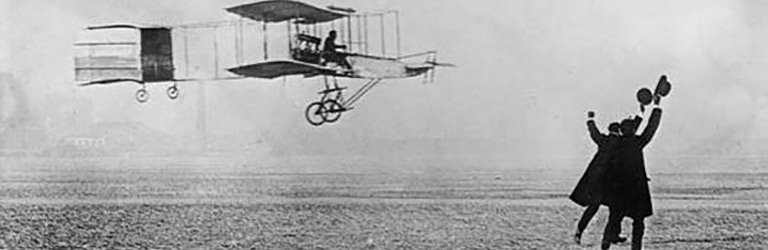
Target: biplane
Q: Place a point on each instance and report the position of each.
(146, 54)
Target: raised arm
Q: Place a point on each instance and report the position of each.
(650, 129)
(594, 132)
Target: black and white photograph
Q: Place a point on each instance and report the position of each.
(388, 124)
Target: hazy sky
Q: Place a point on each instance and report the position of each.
(528, 72)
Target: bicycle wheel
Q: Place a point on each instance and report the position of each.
(142, 95)
(332, 111)
(173, 92)
(315, 113)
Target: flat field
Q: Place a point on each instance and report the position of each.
(310, 203)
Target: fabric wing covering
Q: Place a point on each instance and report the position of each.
(273, 69)
(283, 10)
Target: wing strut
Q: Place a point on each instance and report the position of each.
(264, 29)
(360, 93)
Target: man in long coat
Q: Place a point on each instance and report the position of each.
(590, 189)
(629, 195)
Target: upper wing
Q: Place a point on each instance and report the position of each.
(282, 10)
(273, 69)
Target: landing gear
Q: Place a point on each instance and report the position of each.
(332, 103)
(330, 106)
(314, 114)
(142, 95)
(328, 111)
(173, 92)
(332, 110)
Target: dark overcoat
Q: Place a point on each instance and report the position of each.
(629, 192)
(591, 187)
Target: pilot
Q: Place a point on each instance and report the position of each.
(329, 51)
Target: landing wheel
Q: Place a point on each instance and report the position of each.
(142, 95)
(173, 92)
(332, 111)
(315, 113)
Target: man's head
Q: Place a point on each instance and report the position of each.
(614, 128)
(332, 34)
(629, 125)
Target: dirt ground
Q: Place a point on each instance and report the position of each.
(228, 204)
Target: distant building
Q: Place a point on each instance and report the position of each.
(86, 143)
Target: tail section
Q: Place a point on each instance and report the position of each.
(427, 67)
